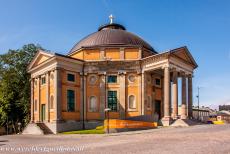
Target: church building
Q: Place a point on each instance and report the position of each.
(110, 68)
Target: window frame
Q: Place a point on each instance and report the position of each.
(108, 103)
(111, 75)
(67, 99)
(43, 80)
(155, 83)
(71, 73)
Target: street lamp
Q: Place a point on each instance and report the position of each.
(198, 98)
(107, 115)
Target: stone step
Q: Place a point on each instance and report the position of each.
(44, 128)
(184, 123)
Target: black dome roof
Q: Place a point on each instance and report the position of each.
(109, 35)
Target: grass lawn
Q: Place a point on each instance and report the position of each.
(98, 130)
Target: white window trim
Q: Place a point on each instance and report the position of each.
(132, 109)
(89, 110)
(72, 73)
(75, 99)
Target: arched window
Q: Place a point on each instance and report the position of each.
(93, 104)
(51, 102)
(132, 102)
(35, 105)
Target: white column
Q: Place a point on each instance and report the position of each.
(190, 100)
(175, 94)
(184, 98)
(166, 120)
(58, 93)
(166, 92)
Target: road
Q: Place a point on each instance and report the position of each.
(212, 139)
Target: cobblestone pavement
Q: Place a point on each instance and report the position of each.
(206, 139)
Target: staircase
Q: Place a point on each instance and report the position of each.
(184, 123)
(44, 128)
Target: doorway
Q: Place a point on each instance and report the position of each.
(43, 112)
(158, 107)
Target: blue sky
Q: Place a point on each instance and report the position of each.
(203, 26)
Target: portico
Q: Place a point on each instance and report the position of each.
(171, 68)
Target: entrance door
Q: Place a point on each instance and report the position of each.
(158, 107)
(43, 112)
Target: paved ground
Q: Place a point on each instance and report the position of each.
(196, 139)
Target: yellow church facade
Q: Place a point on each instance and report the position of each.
(111, 68)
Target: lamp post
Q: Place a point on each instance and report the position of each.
(107, 113)
(198, 98)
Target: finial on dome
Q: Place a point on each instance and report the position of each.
(111, 17)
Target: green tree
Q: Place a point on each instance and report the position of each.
(15, 85)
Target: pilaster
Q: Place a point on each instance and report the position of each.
(81, 96)
(122, 95)
(47, 96)
(57, 93)
(102, 95)
(122, 53)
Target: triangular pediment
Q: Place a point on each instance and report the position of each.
(184, 54)
(39, 58)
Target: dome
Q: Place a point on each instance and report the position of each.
(112, 35)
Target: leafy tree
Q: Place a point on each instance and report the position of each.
(15, 85)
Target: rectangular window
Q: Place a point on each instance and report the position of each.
(112, 100)
(43, 80)
(112, 79)
(71, 77)
(70, 100)
(158, 82)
